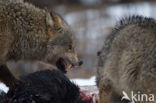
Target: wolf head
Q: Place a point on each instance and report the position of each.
(61, 46)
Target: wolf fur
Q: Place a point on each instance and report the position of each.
(127, 61)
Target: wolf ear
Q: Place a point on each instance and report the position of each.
(53, 19)
(58, 21)
(49, 20)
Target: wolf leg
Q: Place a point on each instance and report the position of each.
(105, 93)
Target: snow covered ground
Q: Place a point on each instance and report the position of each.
(85, 82)
(3, 87)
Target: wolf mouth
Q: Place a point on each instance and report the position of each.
(64, 64)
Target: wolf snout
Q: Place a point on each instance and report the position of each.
(77, 64)
(80, 63)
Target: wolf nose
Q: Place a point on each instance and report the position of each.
(80, 63)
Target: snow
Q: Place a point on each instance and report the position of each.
(3, 87)
(85, 82)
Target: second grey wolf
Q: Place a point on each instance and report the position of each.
(127, 61)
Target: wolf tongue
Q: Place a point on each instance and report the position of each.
(70, 66)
